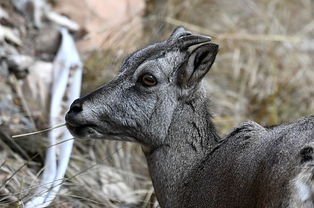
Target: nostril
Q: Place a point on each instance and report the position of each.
(76, 107)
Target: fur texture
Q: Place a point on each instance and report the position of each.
(190, 165)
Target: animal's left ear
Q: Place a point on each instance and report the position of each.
(199, 62)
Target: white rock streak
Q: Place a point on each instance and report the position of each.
(67, 75)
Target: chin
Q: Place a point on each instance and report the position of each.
(93, 132)
(85, 132)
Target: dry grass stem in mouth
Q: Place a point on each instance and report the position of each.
(38, 132)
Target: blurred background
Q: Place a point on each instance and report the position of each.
(263, 72)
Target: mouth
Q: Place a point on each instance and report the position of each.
(92, 132)
(84, 131)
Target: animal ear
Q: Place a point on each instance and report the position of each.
(198, 64)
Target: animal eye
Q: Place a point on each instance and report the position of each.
(148, 80)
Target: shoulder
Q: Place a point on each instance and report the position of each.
(247, 129)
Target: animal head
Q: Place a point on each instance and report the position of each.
(138, 104)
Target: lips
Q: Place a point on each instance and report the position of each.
(87, 127)
(84, 131)
(81, 128)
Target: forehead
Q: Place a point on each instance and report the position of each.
(172, 58)
(166, 63)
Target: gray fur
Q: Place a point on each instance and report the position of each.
(190, 165)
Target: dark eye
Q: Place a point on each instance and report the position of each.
(148, 80)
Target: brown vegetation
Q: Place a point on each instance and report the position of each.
(263, 72)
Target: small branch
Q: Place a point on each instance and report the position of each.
(38, 132)
(7, 139)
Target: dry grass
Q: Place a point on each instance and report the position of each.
(264, 72)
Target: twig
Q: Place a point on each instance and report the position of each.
(7, 139)
(27, 162)
(16, 171)
(38, 132)
(63, 180)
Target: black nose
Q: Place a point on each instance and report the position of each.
(75, 115)
(76, 107)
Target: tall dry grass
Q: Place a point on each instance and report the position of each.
(263, 72)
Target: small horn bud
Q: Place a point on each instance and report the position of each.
(179, 32)
(193, 39)
(184, 39)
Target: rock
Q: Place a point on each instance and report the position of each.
(10, 35)
(36, 86)
(47, 41)
(110, 23)
(19, 64)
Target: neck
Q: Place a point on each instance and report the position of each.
(191, 136)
